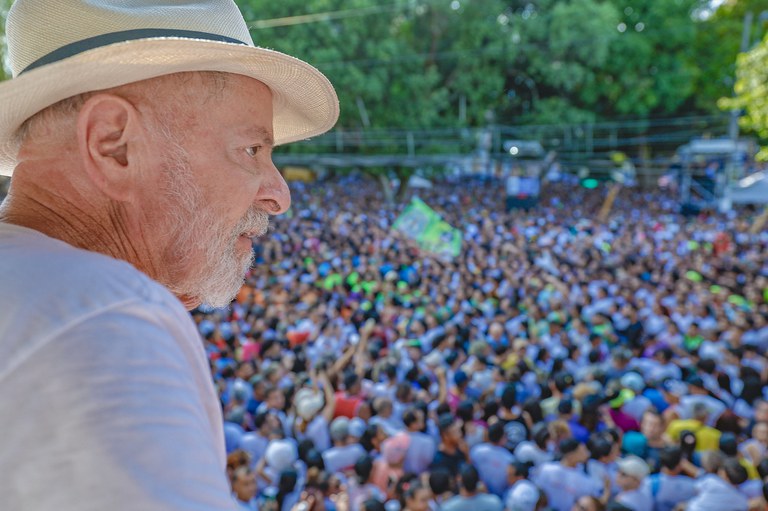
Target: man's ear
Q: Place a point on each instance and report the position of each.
(108, 139)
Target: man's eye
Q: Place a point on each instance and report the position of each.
(252, 150)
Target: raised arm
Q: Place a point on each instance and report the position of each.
(330, 397)
(342, 362)
(442, 392)
(362, 346)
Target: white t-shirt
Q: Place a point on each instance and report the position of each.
(420, 453)
(564, 485)
(255, 445)
(253, 505)
(478, 502)
(636, 500)
(714, 494)
(390, 425)
(715, 407)
(668, 491)
(521, 496)
(752, 489)
(107, 398)
(317, 431)
(340, 459)
(528, 451)
(491, 462)
(598, 471)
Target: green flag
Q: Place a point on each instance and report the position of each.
(433, 234)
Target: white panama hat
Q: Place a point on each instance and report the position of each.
(61, 48)
(308, 403)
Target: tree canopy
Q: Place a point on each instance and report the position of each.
(429, 63)
(426, 64)
(752, 91)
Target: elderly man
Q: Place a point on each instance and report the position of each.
(632, 472)
(139, 135)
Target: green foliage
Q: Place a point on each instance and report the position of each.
(424, 64)
(716, 47)
(650, 61)
(610, 58)
(436, 63)
(382, 75)
(559, 110)
(752, 91)
(4, 6)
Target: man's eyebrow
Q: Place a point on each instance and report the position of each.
(260, 133)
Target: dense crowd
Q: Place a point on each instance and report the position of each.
(558, 363)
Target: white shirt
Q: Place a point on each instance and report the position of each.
(317, 431)
(637, 500)
(253, 505)
(715, 407)
(714, 494)
(491, 462)
(478, 502)
(564, 485)
(599, 471)
(340, 459)
(521, 496)
(390, 425)
(668, 491)
(255, 445)
(420, 453)
(752, 489)
(116, 364)
(528, 451)
(658, 372)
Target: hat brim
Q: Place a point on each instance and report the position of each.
(304, 101)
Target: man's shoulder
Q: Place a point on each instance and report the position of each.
(677, 483)
(421, 437)
(486, 502)
(551, 466)
(636, 499)
(42, 265)
(455, 503)
(344, 450)
(481, 449)
(52, 287)
(355, 448)
(488, 498)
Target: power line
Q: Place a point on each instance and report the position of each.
(318, 17)
(433, 56)
(458, 53)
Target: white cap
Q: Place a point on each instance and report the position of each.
(633, 381)
(633, 466)
(281, 454)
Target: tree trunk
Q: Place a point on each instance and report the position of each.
(386, 187)
(403, 174)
